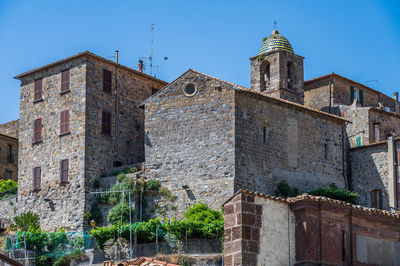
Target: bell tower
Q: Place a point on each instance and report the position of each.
(276, 71)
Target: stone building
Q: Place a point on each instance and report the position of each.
(327, 92)
(207, 138)
(307, 230)
(8, 157)
(78, 118)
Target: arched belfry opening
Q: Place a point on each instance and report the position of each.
(291, 75)
(277, 71)
(265, 73)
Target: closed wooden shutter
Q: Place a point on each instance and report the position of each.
(64, 171)
(38, 90)
(106, 123)
(65, 81)
(351, 94)
(36, 178)
(64, 122)
(361, 95)
(37, 130)
(107, 81)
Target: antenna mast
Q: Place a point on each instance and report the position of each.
(151, 49)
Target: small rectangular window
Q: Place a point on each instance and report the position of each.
(65, 81)
(64, 171)
(326, 150)
(38, 90)
(107, 81)
(377, 137)
(37, 130)
(64, 122)
(376, 199)
(36, 178)
(10, 154)
(106, 123)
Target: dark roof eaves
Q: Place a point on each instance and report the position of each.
(8, 136)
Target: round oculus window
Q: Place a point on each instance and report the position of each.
(190, 89)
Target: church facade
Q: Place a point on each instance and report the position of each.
(207, 138)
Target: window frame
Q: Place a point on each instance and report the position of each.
(64, 123)
(107, 85)
(377, 194)
(37, 177)
(64, 171)
(38, 90)
(68, 81)
(106, 122)
(37, 132)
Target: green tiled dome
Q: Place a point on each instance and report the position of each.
(275, 42)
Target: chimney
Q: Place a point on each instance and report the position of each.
(396, 103)
(140, 65)
(116, 56)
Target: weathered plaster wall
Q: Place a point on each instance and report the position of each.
(190, 141)
(10, 128)
(57, 204)
(8, 161)
(293, 148)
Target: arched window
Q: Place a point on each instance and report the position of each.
(290, 75)
(265, 71)
(376, 199)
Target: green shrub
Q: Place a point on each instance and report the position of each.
(335, 193)
(62, 261)
(43, 260)
(114, 215)
(283, 189)
(94, 214)
(7, 185)
(120, 177)
(153, 184)
(28, 221)
(131, 170)
(167, 193)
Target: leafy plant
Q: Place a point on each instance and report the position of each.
(114, 215)
(153, 184)
(260, 58)
(167, 193)
(283, 189)
(7, 184)
(120, 177)
(28, 221)
(335, 193)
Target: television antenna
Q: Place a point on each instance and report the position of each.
(149, 58)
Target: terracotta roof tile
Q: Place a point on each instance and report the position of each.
(306, 196)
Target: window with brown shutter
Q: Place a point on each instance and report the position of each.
(106, 122)
(64, 171)
(107, 81)
(64, 122)
(38, 90)
(37, 130)
(36, 178)
(376, 199)
(65, 81)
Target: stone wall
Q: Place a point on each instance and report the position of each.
(8, 207)
(276, 141)
(190, 141)
(316, 93)
(58, 204)
(126, 142)
(10, 128)
(8, 161)
(388, 124)
(307, 230)
(359, 126)
(370, 171)
(278, 86)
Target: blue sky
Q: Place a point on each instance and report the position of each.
(357, 39)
